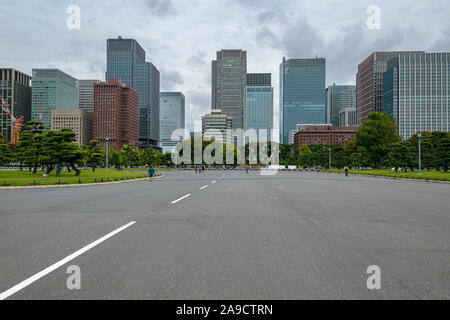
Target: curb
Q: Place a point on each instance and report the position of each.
(394, 178)
(77, 185)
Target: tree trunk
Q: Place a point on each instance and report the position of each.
(78, 171)
(35, 168)
(49, 169)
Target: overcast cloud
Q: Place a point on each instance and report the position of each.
(182, 36)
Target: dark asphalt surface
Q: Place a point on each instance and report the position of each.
(289, 236)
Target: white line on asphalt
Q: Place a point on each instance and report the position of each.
(60, 263)
(214, 182)
(204, 187)
(182, 198)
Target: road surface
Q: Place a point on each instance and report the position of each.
(228, 235)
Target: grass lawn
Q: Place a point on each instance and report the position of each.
(26, 178)
(426, 175)
(146, 169)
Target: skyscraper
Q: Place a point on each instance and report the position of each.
(126, 62)
(116, 114)
(229, 80)
(302, 94)
(369, 84)
(339, 97)
(86, 94)
(52, 89)
(172, 117)
(15, 87)
(416, 92)
(259, 105)
(217, 125)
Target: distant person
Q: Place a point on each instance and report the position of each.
(151, 172)
(346, 171)
(246, 169)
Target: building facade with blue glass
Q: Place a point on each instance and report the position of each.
(259, 105)
(416, 92)
(302, 94)
(126, 62)
(172, 117)
(339, 97)
(52, 89)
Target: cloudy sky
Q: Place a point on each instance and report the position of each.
(182, 36)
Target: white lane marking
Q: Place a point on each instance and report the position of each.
(182, 198)
(60, 263)
(214, 182)
(204, 187)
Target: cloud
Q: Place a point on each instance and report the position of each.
(198, 60)
(170, 79)
(443, 42)
(160, 7)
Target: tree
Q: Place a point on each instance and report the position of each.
(94, 154)
(305, 156)
(5, 152)
(30, 144)
(376, 134)
(399, 155)
(149, 157)
(443, 153)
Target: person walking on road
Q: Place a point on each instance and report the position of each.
(346, 171)
(246, 170)
(151, 172)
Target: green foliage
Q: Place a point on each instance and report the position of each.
(375, 135)
(5, 152)
(93, 154)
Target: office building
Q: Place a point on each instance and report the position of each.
(302, 94)
(15, 87)
(259, 105)
(52, 89)
(339, 97)
(324, 135)
(229, 80)
(86, 94)
(369, 84)
(116, 114)
(172, 117)
(79, 121)
(126, 62)
(416, 92)
(217, 125)
(347, 117)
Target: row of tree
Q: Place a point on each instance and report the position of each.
(377, 145)
(54, 150)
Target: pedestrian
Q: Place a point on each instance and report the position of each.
(246, 169)
(346, 171)
(151, 172)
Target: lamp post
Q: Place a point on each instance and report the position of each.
(329, 150)
(420, 153)
(107, 150)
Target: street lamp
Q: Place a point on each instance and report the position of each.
(420, 153)
(107, 150)
(329, 150)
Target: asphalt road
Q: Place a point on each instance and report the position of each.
(289, 236)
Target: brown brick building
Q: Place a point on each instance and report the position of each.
(116, 114)
(324, 135)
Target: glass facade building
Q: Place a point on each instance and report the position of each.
(86, 94)
(369, 83)
(172, 117)
(126, 62)
(15, 87)
(339, 97)
(259, 105)
(229, 80)
(52, 89)
(302, 94)
(416, 92)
